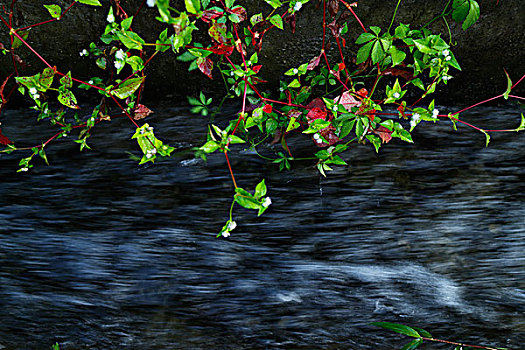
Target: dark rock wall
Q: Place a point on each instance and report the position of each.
(494, 43)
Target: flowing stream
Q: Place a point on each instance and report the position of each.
(99, 253)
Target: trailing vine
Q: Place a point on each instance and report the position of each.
(336, 100)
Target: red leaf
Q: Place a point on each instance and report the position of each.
(401, 110)
(4, 140)
(317, 103)
(256, 69)
(335, 28)
(333, 7)
(141, 112)
(221, 49)
(291, 19)
(348, 100)
(218, 32)
(383, 133)
(240, 12)
(315, 113)
(268, 109)
(205, 65)
(315, 61)
(209, 15)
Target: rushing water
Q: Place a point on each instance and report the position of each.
(98, 253)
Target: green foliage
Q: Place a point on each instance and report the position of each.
(326, 98)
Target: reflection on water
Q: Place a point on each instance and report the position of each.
(98, 253)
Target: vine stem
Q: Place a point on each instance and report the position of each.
(458, 344)
(394, 16)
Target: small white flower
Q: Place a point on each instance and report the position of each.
(281, 89)
(120, 55)
(267, 201)
(154, 151)
(448, 58)
(84, 53)
(231, 226)
(335, 108)
(317, 137)
(435, 113)
(149, 155)
(142, 131)
(445, 52)
(434, 60)
(24, 169)
(33, 91)
(118, 64)
(110, 18)
(164, 147)
(319, 141)
(91, 82)
(151, 3)
(414, 120)
(226, 234)
(297, 6)
(150, 128)
(232, 73)
(295, 71)
(447, 78)
(396, 95)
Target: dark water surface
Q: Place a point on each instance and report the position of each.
(98, 253)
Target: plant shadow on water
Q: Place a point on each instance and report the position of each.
(97, 253)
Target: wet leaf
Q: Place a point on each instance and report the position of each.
(127, 88)
(348, 100)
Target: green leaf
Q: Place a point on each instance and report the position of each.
(126, 24)
(46, 79)
(274, 3)
(67, 98)
(260, 189)
(377, 52)
(256, 19)
(66, 80)
(131, 40)
(193, 6)
(294, 84)
(54, 10)
(509, 86)
(423, 332)
(365, 37)
(127, 88)
(17, 42)
(229, 3)
(472, 16)
(376, 141)
(460, 9)
(364, 52)
(398, 328)
(414, 344)
(487, 137)
(277, 21)
(398, 56)
(246, 199)
(210, 146)
(90, 2)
